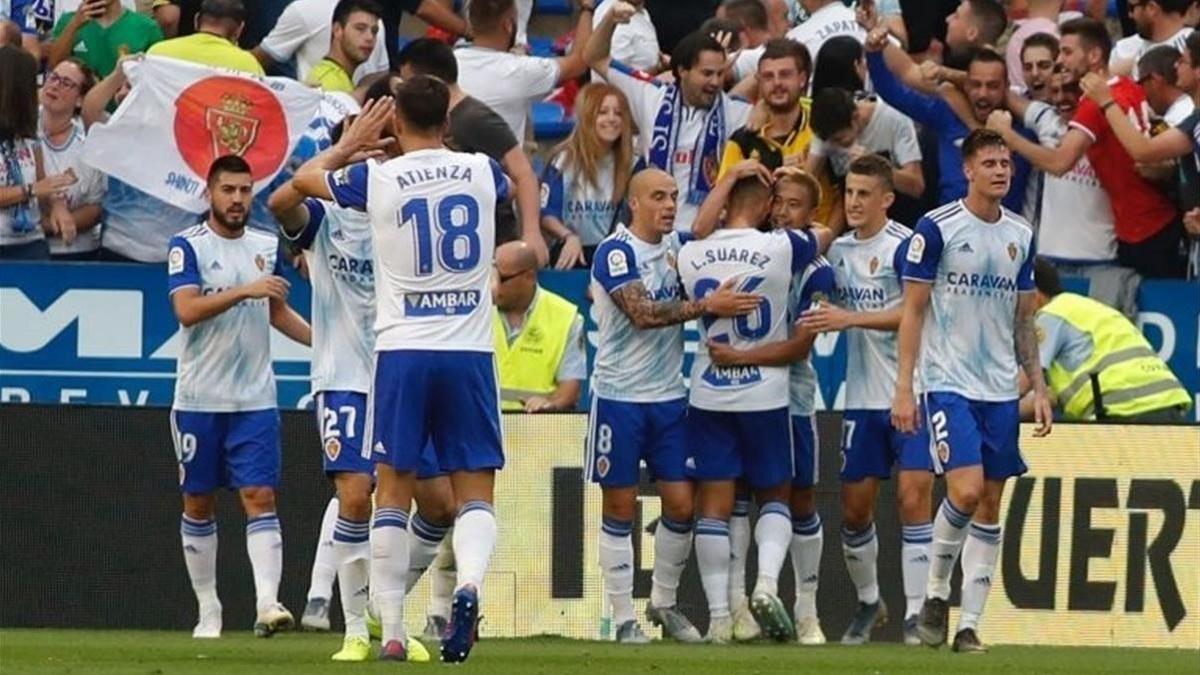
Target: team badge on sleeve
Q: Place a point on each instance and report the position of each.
(916, 248)
(175, 260)
(618, 264)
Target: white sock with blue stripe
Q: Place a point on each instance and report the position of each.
(808, 542)
(474, 541)
(914, 564)
(352, 549)
(861, 551)
(424, 539)
(264, 544)
(200, 553)
(672, 545)
(389, 569)
(739, 548)
(325, 566)
(773, 535)
(616, 565)
(712, 556)
(979, 555)
(949, 531)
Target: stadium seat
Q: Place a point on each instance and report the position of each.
(553, 7)
(550, 121)
(542, 46)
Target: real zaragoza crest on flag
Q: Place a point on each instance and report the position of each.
(180, 116)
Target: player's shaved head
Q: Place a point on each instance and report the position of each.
(644, 181)
(653, 197)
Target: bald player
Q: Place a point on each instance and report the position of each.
(640, 400)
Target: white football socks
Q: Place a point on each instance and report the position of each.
(739, 549)
(979, 555)
(861, 551)
(914, 565)
(672, 545)
(712, 556)
(352, 551)
(474, 541)
(949, 531)
(389, 569)
(424, 539)
(264, 544)
(773, 535)
(199, 538)
(324, 568)
(808, 541)
(616, 565)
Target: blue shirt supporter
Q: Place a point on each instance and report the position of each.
(936, 114)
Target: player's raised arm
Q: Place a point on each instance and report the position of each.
(708, 217)
(360, 139)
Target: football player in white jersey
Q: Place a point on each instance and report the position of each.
(337, 245)
(227, 293)
(796, 196)
(640, 399)
(431, 213)
(867, 263)
(738, 422)
(970, 264)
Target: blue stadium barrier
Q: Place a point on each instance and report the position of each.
(97, 333)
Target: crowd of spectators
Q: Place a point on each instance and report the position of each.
(1100, 111)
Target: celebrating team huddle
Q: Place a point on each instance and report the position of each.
(399, 237)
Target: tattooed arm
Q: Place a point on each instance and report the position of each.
(1026, 342)
(635, 302)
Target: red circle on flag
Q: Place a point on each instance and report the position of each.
(230, 116)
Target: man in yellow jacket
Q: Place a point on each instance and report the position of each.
(1098, 364)
(539, 337)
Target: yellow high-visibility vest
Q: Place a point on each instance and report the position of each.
(528, 366)
(1133, 379)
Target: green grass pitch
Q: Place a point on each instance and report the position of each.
(161, 653)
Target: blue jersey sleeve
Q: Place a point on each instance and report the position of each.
(614, 265)
(182, 268)
(1025, 274)
(924, 252)
(348, 185)
(553, 189)
(928, 110)
(503, 193)
(804, 249)
(316, 217)
(819, 286)
(899, 259)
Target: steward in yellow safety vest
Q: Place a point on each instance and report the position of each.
(538, 338)
(1098, 364)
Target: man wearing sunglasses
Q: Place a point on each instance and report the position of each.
(539, 337)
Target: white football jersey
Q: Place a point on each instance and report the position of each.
(225, 362)
(813, 285)
(433, 217)
(341, 267)
(633, 364)
(977, 270)
(763, 263)
(868, 276)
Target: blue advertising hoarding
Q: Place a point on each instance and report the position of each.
(90, 333)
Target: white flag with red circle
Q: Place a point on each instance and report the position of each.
(180, 116)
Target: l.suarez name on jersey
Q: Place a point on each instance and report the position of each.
(734, 255)
(980, 284)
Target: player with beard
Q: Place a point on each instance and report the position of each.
(227, 292)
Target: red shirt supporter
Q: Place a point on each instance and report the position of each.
(1140, 209)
